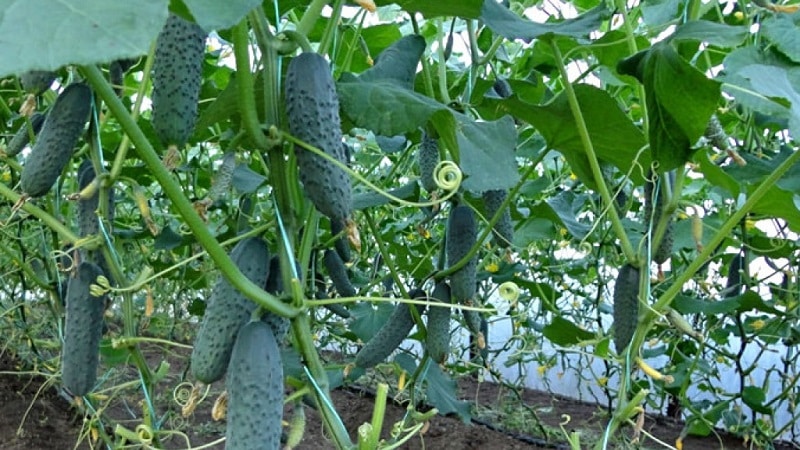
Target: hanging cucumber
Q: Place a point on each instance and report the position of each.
(437, 340)
(312, 107)
(503, 230)
(227, 310)
(462, 232)
(23, 136)
(391, 334)
(57, 139)
(626, 306)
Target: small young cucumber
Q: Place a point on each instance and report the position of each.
(22, 136)
(462, 232)
(427, 159)
(626, 306)
(255, 390)
(437, 340)
(338, 273)
(391, 334)
(227, 310)
(82, 331)
(56, 142)
(503, 230)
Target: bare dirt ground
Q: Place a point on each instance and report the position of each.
(36, 416)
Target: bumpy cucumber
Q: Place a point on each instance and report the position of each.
(342, 244)
(23, 137)
(462, 232)
(398, 62)
(88, 219)
(320, 294)
(57, 138)
(227, 310)
(427, 159)
(37, 81)
(391, 334)
(82, 331)
(626, 305)
(274, 285)
(733, 286)
(652, 215)
(503, 230)
(255, 390)
(312, 107)
(338, 273)
(437, 340)
(177, 76)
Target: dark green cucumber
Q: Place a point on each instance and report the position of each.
(653, 211)
(427, 160)
(56, 142)
(502, 88)
(503, 230)
(437, 340)
(227, 310)
(338, 274)
(255, 390)
(462, 232)
(734, 285)
(626, 306)
(274, 285)
(398, 62)
(37, 81)
(23, 135)
(391, 334)
(87, 215)
(312, 107)
(320, 294)
(82, 331)
(342, 243)
(177, 76)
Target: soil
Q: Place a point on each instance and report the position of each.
(37, 415)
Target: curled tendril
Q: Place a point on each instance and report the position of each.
(509, 291)
(447, 176)
(182, 393)
(145, 434)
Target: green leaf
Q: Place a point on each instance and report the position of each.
(754, 397)
(487, 153)
(371, 199)
(784, 31)
(506, 23)
(614, 137)
(690, 305)
(398, 62)
(680, 101)
(484, 150)
(715, 175)
(777, 82)
(245, 180)
(46, 35)
(368, 319)
(561, 331)
(443, 394)
(714, 33)
(167, 239)
(563, 209)
(468, 9)
(658, 12)
(217, 15)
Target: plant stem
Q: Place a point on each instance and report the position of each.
(40, 214)
(184, 207)
(244, 86)
(616, 223)
(311, 16)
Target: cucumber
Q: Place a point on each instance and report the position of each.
(626, 306)
(23, 135)
(177, 76)
(338, 273)
(60, 132)
(83, 329)
(320, 294)
(437, 340)
(227, 311)
(502, 88)
(734, 285)
(312, 107)
(274, 285)
(37, 81)
(652, 215)
(391, 334)
(88, 219)
(255, 390)
(398, 62)
(427, 159)
(503, 230)
(462, 232)
(342, 244)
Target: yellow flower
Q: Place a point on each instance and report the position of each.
(602, 381)
(542, 370)
(758, 324)
(492, 267)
